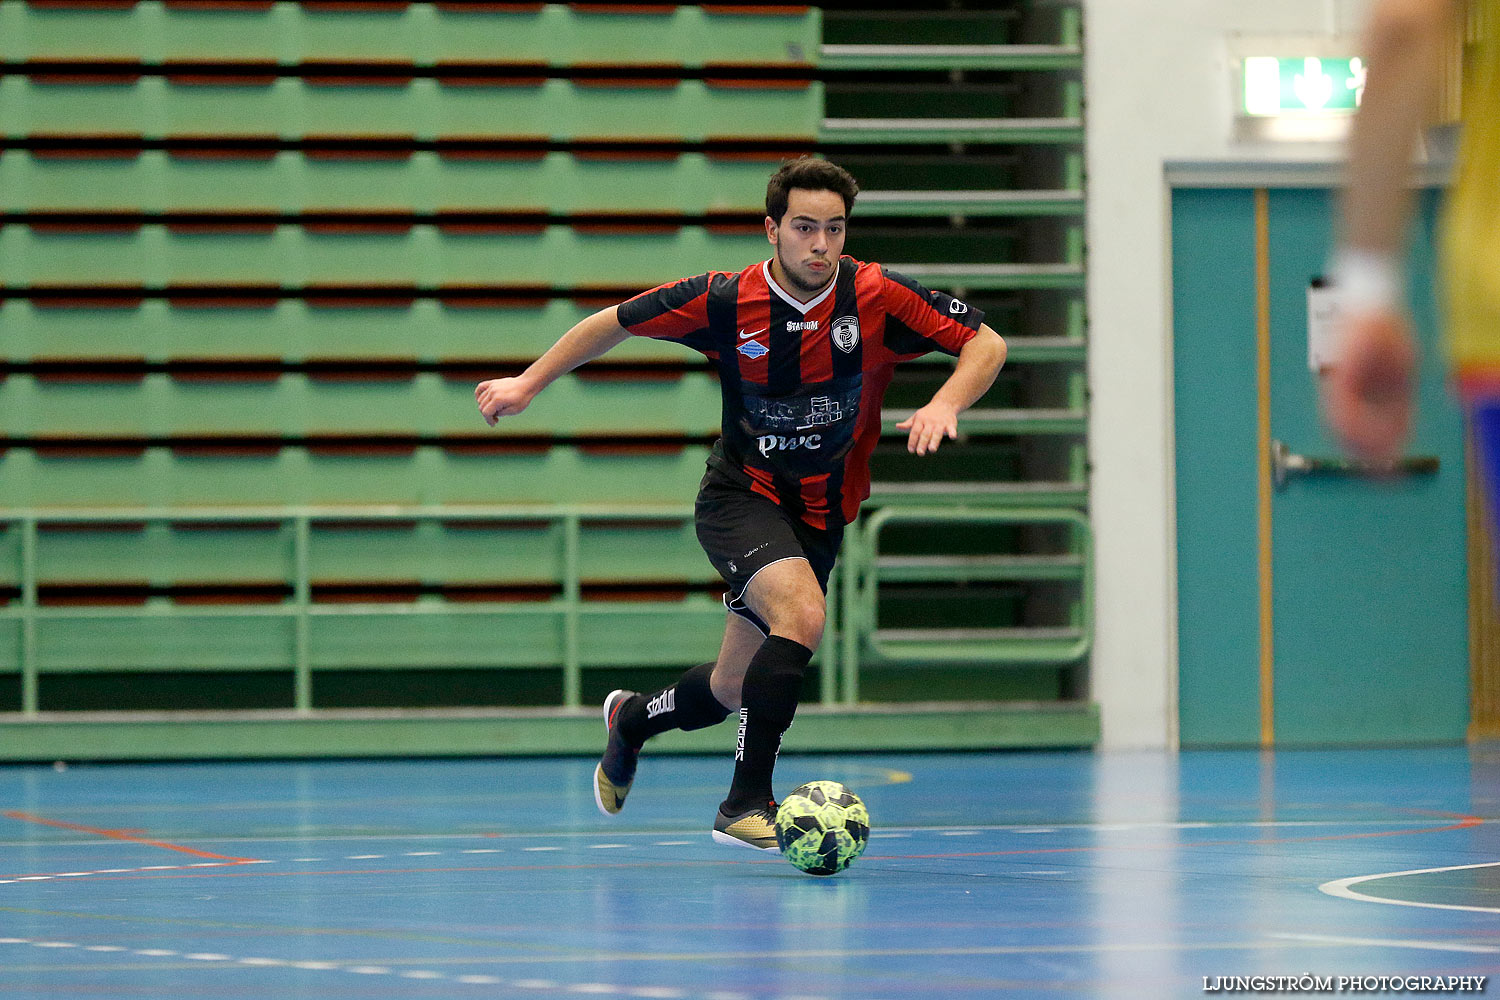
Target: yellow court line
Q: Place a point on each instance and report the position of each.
(1263, 462)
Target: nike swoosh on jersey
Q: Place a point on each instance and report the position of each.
(747, 336)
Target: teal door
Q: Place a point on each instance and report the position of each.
(1364, 581)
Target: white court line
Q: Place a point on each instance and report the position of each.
(1388, 943)
(1393, 821)
(364, 969)
(132, 871)
(1342, 889)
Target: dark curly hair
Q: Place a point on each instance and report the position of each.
(810, 174)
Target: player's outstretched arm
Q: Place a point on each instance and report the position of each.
(1367, 392)
(979, 362)
(590, 338)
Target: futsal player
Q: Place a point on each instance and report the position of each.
(805, 344)
(1367, 395)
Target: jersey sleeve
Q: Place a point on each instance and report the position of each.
(677, 311)
(919, 320)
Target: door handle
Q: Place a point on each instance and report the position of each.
(1285, 462)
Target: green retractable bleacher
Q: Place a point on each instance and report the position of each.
(253, 259)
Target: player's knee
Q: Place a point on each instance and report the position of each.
(800, 619)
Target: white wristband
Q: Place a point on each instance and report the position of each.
(1365, 281)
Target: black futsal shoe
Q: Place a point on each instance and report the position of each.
(616, 769)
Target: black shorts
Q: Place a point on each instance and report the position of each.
(744, 532)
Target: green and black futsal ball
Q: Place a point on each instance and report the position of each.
(822, 827)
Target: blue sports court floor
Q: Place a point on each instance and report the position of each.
(988, 875)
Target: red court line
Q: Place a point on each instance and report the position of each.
(178, 874)
(118, 835)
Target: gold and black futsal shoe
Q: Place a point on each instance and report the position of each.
(754, 829)
(616, 769)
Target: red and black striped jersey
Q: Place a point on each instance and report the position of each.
(803, 382)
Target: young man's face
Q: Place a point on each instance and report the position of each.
(809, 238)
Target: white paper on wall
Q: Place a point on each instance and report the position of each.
(1322, 324)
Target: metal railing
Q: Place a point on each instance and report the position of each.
(852, 635)
(864, 569)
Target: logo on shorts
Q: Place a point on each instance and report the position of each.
(753, 349)
(845, 333)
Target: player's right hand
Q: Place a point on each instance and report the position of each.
(502, 397)
(1367, 392)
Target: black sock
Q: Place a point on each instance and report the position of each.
(768, 700)
(687, 705)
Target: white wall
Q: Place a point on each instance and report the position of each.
(1157, 79)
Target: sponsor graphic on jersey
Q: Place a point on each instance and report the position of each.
(753, 349)
(824, 411)
(957, 308)
(747, 336)
(768, 443)
(793, 326)
(845, 333)
(838, 402)
(800, 433)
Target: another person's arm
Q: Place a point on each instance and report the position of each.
(588, 339)
(1367, 394)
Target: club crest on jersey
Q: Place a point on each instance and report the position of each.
(845, 333)
(753, 349)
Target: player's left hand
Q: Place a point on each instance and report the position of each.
(928, 426)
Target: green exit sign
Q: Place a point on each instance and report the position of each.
(1303, 86)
